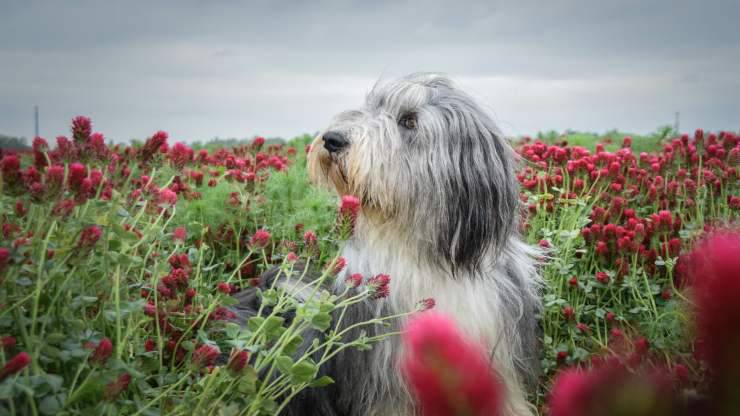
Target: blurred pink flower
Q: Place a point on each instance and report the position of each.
(448, 374)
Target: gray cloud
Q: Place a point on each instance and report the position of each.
(203, 69)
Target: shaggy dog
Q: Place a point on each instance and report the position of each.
(440, 209)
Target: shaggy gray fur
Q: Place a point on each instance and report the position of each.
(440, 210)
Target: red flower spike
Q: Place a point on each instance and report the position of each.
(260, 239)
(102, 351)
(204, 356)
(180, 234)
(448, 374)
(15, 365)
(427, 304)
(379, 284)
(114, 389)
(714, 268)
(237, 361)
(354, 280)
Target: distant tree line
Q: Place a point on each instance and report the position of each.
(18, 144)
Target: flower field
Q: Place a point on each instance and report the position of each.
(118, 265)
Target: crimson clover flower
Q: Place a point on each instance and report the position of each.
(15, 365)
(447, 373)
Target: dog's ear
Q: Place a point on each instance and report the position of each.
(481, 193)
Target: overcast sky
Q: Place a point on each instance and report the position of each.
(234, 69)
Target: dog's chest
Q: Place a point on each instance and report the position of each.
(472, 302)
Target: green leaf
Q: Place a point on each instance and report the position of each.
(322, 381)
(254, 323)
(321, 321)
(303, 371)
(273, 322)
(284, 364)
(292, 345)
(270, 297)
(51, 405)
(247, 381)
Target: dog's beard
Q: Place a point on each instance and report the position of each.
(333, 168)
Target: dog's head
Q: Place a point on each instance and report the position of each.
(423, 156)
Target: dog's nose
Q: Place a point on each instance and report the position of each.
(334, 141)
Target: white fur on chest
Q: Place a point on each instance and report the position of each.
(474, 303)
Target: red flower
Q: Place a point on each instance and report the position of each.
(291, 257)
(258, 142)
(225, 288)
(4, 257)
(15, 365)
(97, 147)
(610, 317)
(102, 352)
(90, 236)
(309, 238)
(8, 342)
(114, 389)
(641, 345)
(180, 154)
(81, 129)
(180, 234)
(714, 268)
(379, 284)
(350, 207)
(448, 374)
(611, 390)
(427, 304)
(237, 361)
(354, 280)
(150, 345)
(55, 177)
(569, 313)
(260, 239)
(602, 277)
(153, 145)
(77, 173)
(10, 167)
(205, 355)
(167, 197)
(337, 265)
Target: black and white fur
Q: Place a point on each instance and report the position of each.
(439, 214)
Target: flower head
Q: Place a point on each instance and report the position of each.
(167, 197)
(15, 365)
(379, 284)
(258, 142)
(81, 129)
(611, 390)
(90, 236)
(102, 351)
(77, 173)
(448, 374)
(114, 389)
(714, 269)
(427, 304)
(237, 361)
(260, 239)
(309, 238)
(205, 355)
(350, 207)
(180, 234)
(354, 280)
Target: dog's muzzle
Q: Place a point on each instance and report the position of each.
(334, 141)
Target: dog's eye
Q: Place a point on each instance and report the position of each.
(408, 121)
